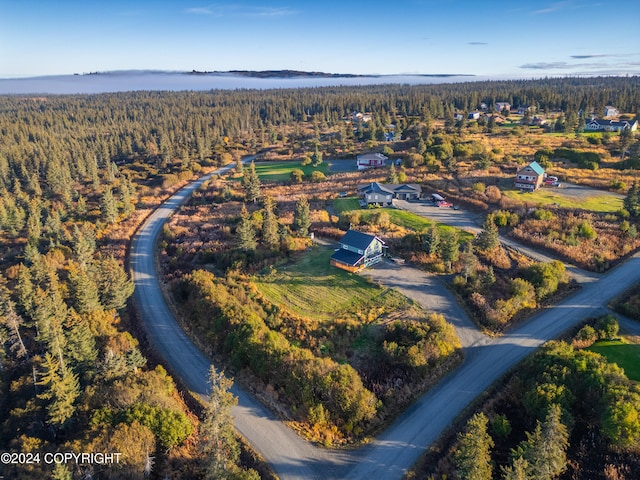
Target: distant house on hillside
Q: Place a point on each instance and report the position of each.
(370, 160)
(473, 115)
(530, 177)
(598, 125)
(501, 106)
(375, 193)
(357, 251)
(610, 111)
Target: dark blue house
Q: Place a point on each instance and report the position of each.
(357, 251)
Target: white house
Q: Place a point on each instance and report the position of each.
(370, 160)
(598, 125)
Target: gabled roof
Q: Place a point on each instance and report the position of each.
(375, 187)
(535, 166)
(358, 240)
(407, 187)
(611, 123)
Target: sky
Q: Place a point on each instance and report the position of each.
(503, 38)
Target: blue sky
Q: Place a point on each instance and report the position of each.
(517, 38)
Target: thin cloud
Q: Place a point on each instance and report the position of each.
(238, 10)
(477, 43)
(552, 8)
(546, 65)
(199, 11)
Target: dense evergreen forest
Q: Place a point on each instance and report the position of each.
(77, 173)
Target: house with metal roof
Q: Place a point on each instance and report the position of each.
(358, 250)
(530, 177)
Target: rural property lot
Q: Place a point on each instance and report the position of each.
(570, 196)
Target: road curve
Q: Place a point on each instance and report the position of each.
(396, 450)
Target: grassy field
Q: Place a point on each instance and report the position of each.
(596, 202)
(622, 352)
(281, 171)
(402, 218)
(313, 288)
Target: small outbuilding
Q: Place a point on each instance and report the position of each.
(358, 250)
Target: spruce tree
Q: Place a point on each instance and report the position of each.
(246, 231)
(393, 175)
(114, 284)
(473, 456)
(632, 200)
(301, 221)
(61, 390)
(84, 289)
(431, 240)
(449, 249)
(218, 443)
(270, 224)
(251, 184)
(517, 471)
(545, 448)
(108, 206)
(488, 240)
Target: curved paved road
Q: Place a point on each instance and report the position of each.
(396, 450)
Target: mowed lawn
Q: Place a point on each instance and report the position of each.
(622, 352)
(281, 171)
(402, 218)
(587, 199)
(313, 288)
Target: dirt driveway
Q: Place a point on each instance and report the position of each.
(430, 292)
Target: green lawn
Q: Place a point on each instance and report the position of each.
(345, 204)
(311, 287)
(402, 218)
(598, 202)
(625, 354)
(281, 171)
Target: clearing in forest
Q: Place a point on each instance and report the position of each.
(572, 197)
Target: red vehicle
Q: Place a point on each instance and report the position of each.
(439, 201)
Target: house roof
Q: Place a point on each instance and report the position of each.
(535, 166)
(406, 188)
(358, 240)
(375, 187)
(347, 256)
(372, 156)
(611, 123)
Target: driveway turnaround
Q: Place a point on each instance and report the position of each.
(390, 455)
